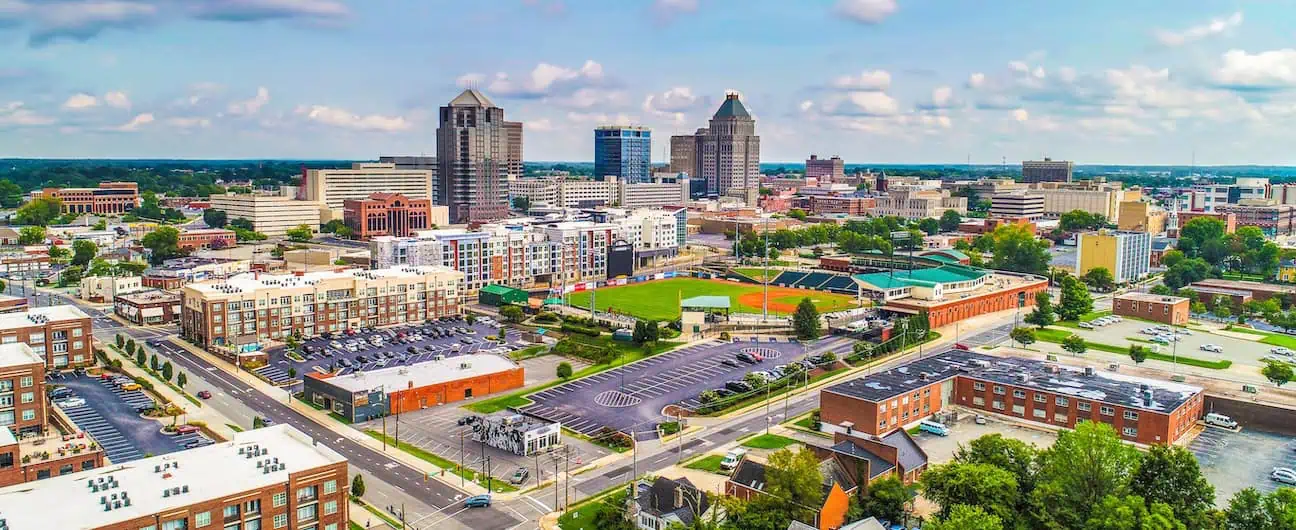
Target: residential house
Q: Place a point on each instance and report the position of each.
(665, 502)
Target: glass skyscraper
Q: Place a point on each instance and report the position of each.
(624, 152)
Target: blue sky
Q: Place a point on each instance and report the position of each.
(882, 81)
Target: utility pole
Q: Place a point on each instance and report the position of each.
(765, 277)
(461, 454)
(556, 479)
(567, 471)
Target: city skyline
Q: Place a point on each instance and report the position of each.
(872, 81)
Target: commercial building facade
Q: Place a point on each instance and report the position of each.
(1272, 219)
(58, 334)
(333, 187)
(825, 169)
(473, 159)
(148, 307)
(274, 477)
(103, 289)
(1017, 205)
(624, 152)
(271, 215)
(1171, 310)
(842, 205)
(399, 389)
(243, 311)
(207, 238)
(108, 198)
(950, 293)
(1101, 201)
(1047, 170)
(513, 135)
(1127, 255)
(1142, 410)
(568, 192)
(1139, 216)
(918, 204)
(387, 214)
(173, 273)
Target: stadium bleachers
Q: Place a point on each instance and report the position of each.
(814, 280)
(840, 284)
(788, 278)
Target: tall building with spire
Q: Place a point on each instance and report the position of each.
(726, 154)
(473, 157)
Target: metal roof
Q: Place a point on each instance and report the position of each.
(944, 274)
(714, 302)
(732, 108)
(471, 97)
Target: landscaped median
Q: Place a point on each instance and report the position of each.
(497, 485)
(767, 441)
(708, 463)
(1056, 336)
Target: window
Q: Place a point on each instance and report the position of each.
(306, 494)
(279, 499)
(281, 520)
(27, 397)
(330, 487)
(978, 401)
(330, 507)
(1039, 413)
(1130, 431)
(252, 524)
(998, 389)
(1019, 394)
(76, 332)
(1106, 411)
(998, 405)
(25, 382)
(978, 386)
(29, 414)
(202, 519)
(231, 512)
(1060, 418)
(1084, 407)
(1019, 410)
(178, 524)
(1062, 402)
(1041, 398)
(252, 506)
(1131, 415)
(306, 513)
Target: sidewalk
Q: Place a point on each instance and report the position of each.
(324, 420)
(215, 421)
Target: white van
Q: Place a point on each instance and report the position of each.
(1220, 420)
(732, 458)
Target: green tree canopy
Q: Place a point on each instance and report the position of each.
(929, 226)
(1081, 468)
(83, 250)
(984, 486)
(1076, 301)
(1023, 336)
(215, 218)
(1075, 344)
(1017, 249)
(1100, 279)
(1170, 475)
(1042, 316)
(164, 244)
(1278, 373)
(31, 235)
(966, 518)
(1080, 220)
(806, 320)
(40, 211)
(1196, 232)
(302, 233)
(950, 221)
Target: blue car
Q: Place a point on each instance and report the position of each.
(479, 501)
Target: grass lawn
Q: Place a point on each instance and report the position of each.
(631, 352)
(1051, 335)
(1285, 341)
(659, 299)
(768, 441)
(1056, 338)
(807, 422)
(499, 486)
(380, 515)
(582, 517)
(709, 463)
(1250, 331)
(756, 397)
(757, 273)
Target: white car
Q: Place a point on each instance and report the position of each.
(70, 402)
(1183, 332)
(1085, 325)
(1283, 475)
(1117, 318)
(1149, 331)
(1211, 348)
(1161, 339)
(1282, 351)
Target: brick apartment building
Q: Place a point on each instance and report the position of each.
(26, 436)
(1171, 310)
(270, 478)
(251, 308)
(207, 238)
(108, 198)
(387, 214)
(174, 273)
(59, 334)
(375, 393)
(1256, 290)
(1146, 411)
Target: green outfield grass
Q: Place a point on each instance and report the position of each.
(659, 300)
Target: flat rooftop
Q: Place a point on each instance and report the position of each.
(150, 296)
(189, 263)
(249, 282)
(36, 316)
(422, 374)
(18, 354)
(1106, 387)
(212, 472)
(1243, 285)
(1149, 297)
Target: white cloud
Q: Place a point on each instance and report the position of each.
(600, 118)
(1021, 115)
(189, 122)
(1018, 66)
(14, 114)
(673, 103)
(867, 80)
(542, 125)
(344, 119)
(806, 105)
(117, 100)
(874, 103)
(136, 122)
(588, 97)
(976, 80)
(942, 97)
(251, 106)
(866, 11)
(1215, 26)
(544, 80)
(1267, 69)
(81, 102)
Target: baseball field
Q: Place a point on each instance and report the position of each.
(659, 300)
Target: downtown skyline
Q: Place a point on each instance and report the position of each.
(872, 81)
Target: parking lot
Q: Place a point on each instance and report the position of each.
(1237, 350)
(109, 414)
(631, 398)
(1233, 461)
(370, 349)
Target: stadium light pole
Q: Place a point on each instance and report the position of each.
(765, 277)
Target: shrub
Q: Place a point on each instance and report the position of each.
(574, 328)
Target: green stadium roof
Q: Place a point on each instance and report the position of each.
(925, 277)
(941, 258)
(706, 301)
(500, 289)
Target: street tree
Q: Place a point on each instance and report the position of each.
(564, 370)
(140, 357)
(1100, 279)
(984, 486)
(1131, 512)
(215, 218)
(929, 226)
(31, 235)
(1042, 316)
(121, 341)
(887, 499)
(966, 518)
(163, 244)
(1138, 353)
(168, 371)
(182, 379)
(57, 253)
(40, 211)
(1170, 475)
(83, 250)
(806, 320)
(1074, 344)
(1010, 454)
(511, 313)
(950, 220)
(794, 477)
(357, 485)
(1082, 467)
(1075, 299)
(1023, 336)
(1017, 249)
(301, 234)
(1278, 373)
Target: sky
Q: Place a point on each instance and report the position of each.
(872, 81)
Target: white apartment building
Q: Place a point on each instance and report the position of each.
(334, 186)
(1210, 197)
(567, 192)
(271, 215)
(919, 204)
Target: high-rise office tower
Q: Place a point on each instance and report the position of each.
(725, 155)
(624, 152)
(473, 159)
(825, 169)
(1047, 170)
(513, 132)
(683, 153)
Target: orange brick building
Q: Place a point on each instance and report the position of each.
(43, 451)
(372, 394)
(387, 214)
(1145, 411)
(1171, 310)
(208, 238)
(950, 293)
(109, 197)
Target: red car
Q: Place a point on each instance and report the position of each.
(204, 394)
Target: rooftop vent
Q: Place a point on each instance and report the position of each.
(1089, 371)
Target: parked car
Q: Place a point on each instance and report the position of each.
(186, 429)
(412, 350)
(1211, 348)
(729, 362)
(1085, 325)
(362, 359)
(130, 386)
(204, 394)
(1282, 351)
(1161, 339)
(738, 386)
(746, 357)
(723, 392)
(1220, 420)
(1283, 475)
(519, 476)
(70, 402)
(477, 501)
(1149, 331)
(933, 427)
